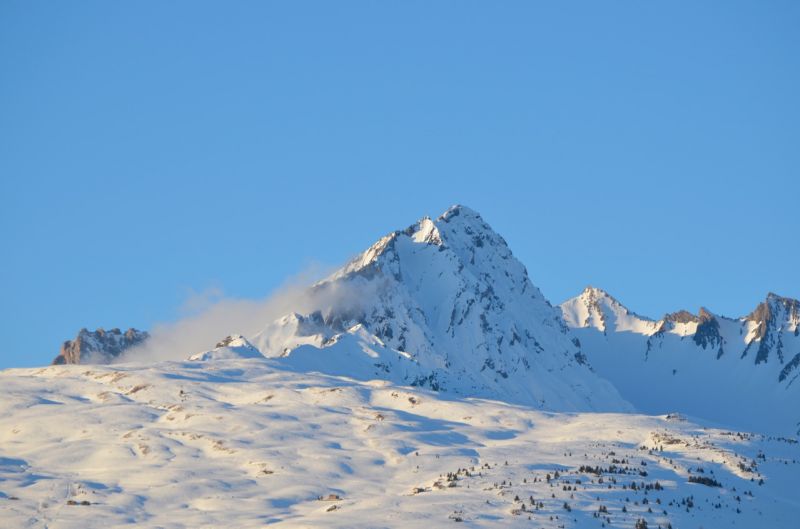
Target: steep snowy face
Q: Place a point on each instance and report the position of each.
(99, 346)
(741, 372)
(446, 306)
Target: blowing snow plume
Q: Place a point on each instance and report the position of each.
(211, 317)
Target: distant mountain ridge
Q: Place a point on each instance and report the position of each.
(735, 370)
(444, 305)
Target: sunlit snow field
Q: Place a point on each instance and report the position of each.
(245, 443)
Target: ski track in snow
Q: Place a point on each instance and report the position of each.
(245, 443)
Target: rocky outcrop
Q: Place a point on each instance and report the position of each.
(99, 346)
(681, 316)
(231, 347)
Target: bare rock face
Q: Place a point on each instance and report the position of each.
(99, 346)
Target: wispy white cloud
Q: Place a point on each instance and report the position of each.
(209, 316)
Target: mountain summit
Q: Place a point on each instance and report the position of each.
(597, 309)
(445, 305)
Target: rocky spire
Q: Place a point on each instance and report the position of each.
(99, 346)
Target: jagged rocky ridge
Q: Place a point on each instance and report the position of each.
(99, 346)
(741, 371)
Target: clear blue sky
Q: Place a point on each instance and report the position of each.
(148, 149)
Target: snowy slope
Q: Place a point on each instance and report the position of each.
(246, 443)
(741, 372)
(443, 305)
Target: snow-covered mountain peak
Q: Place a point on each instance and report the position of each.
(595, 292)
(777, 298)
(449, 308)
(234, 340)
(425, 231)
(459, 209)
(460, 215)
(776, 311)
(705, 315)
(465, 230)
(460, 229)
(596, 308)
(234, 346)
(681, 316)
(766, 326)
(599, 297)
